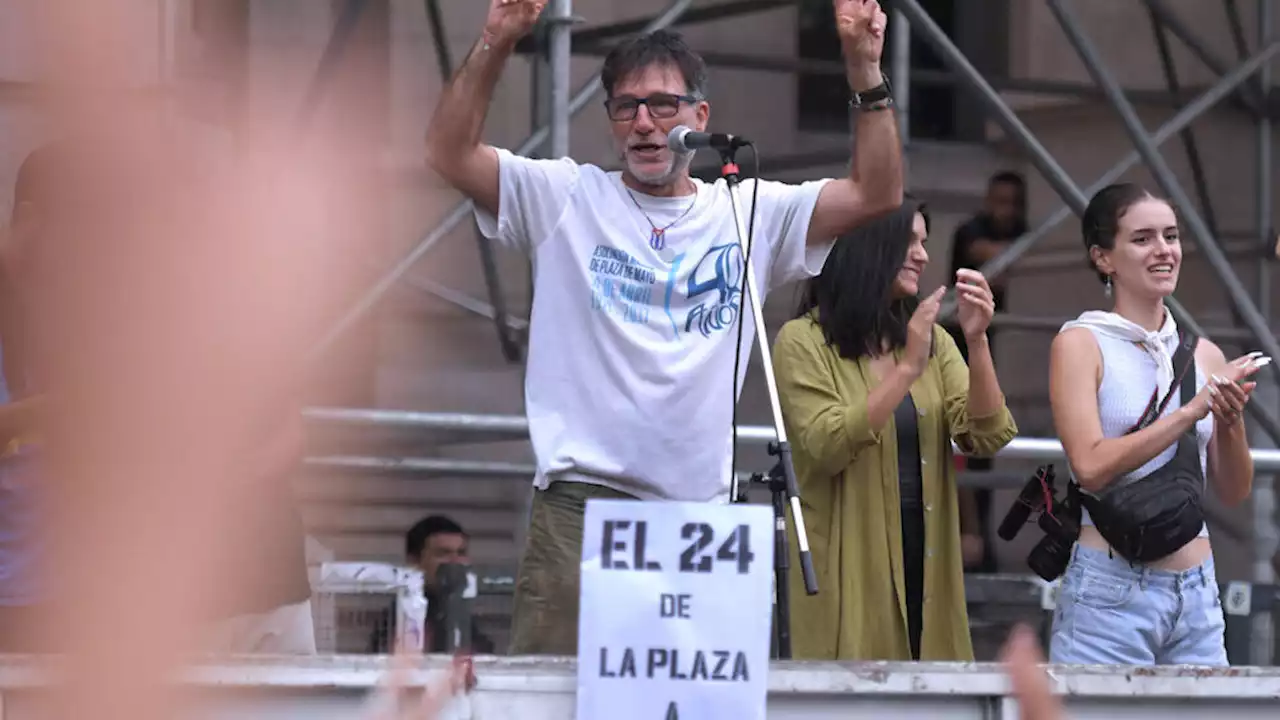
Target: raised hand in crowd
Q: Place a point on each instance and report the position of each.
(860, 25)
(393, 699)
(510, 20)
(1022, 658)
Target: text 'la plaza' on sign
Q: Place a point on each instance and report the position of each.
(676, 610)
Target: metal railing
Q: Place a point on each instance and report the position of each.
(515, 427)
(1021, 593)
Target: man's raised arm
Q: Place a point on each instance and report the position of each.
(453, 148)
(875, 181)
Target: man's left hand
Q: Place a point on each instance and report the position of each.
(861, 25)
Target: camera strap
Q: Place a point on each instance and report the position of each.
(1182, 362)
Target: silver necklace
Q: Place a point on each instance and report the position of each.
(657, 236)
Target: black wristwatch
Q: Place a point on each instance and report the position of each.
(878, 97)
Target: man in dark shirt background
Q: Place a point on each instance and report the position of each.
(1002, 220)
(434, 541)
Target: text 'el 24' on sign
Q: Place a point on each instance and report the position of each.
(676, 611)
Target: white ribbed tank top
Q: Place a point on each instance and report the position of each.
(1128, 379)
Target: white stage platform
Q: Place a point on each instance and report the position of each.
(336, 687)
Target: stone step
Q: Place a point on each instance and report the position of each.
(370, 518)
(410, 490)
(364, 516)
(486, 551)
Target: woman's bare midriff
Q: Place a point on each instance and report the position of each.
(1191, 555)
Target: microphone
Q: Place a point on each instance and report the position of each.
(684, 140)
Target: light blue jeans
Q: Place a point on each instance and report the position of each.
(1113, 613)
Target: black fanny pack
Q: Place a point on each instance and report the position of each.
(1151, 517)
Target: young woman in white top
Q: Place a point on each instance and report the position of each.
(1103, 371)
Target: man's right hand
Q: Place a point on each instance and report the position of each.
(510, 20)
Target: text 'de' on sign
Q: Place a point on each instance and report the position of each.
(676, 611)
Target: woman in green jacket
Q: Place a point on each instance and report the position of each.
(873, 394)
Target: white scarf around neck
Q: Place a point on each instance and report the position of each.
(1158, 344)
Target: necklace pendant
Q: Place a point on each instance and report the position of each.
(656, 240)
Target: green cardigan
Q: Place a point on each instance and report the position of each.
(848, 479)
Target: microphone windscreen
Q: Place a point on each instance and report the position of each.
(675, 139)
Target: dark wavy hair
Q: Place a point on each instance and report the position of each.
(1101, 220)
(852, 298)
(661, 48)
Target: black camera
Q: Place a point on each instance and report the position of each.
(1059, 519)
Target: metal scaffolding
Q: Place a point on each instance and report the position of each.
(576, 103)
(460, 427)
(1236, 88)
(556, 42)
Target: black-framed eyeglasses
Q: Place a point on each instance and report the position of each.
(661, 105)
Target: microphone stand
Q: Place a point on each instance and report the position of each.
(782, 477)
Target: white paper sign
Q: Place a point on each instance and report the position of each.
(676, 614)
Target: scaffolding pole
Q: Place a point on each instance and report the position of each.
(1058, 178)
(1216, 64)
(1264, 505)
(707, 13)
(516, 427)
(1266, 235)
(561, 27)
(919, 76)
(435, 21)
(343, 30)
(366, 302)
(900, 72)
(496, 308)
(1165, 178)
(1190, 147)
(1194, 109)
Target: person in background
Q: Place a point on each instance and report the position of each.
(873, 393)
(434, 541)
(1002, 220)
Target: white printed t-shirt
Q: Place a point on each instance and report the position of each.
(631, 349)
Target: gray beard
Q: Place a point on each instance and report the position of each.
(679, 164)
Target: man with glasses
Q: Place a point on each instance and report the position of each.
(639, 281)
